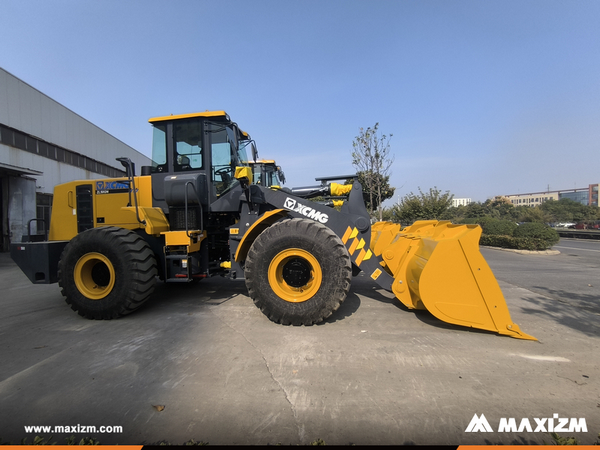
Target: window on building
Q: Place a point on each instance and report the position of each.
(6, 136)
(20, 141)
(43, 211)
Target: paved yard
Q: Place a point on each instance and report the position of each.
(374, 373)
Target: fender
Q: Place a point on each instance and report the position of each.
(264, 222)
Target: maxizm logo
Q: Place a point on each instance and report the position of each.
(307, 211)
(554, 424)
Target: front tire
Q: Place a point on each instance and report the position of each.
(298, 272)
(106, 272)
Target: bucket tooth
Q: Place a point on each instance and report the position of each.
(437, 266)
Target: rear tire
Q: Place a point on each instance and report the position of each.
(298, 272)
(106, 272)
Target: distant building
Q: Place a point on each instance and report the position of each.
(593, 189)
(460, 202)
(585, 196)
(532, 199)
(43, 144)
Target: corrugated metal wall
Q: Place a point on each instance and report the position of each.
(24, 108)
(43, 144)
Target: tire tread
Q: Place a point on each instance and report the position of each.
(134, 252)
(319, 238)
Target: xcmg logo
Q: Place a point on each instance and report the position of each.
(110, 185)
(307, 211)
(554, 424)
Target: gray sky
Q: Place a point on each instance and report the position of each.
(482, 97)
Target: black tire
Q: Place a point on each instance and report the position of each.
(106, 272)
(298, 272)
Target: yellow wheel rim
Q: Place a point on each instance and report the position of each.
(295, 275)
(94, 276)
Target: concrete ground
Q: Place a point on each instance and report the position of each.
(202, 362)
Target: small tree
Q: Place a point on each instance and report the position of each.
(425, 206)
(373, 200)
(373, 160)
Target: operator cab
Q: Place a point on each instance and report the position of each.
(201, 149)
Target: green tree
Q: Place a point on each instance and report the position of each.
(500, 208)
(563, 210)
(475, 209)
(424, 206)
(384, 191)
(389, 214)
(567, 210)
(532, 214)
(497, 208)
(373, 160)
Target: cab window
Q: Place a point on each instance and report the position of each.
(257, 175)
(224, 158)
(159, 148)
(188, 145)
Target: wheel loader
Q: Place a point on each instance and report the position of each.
(266, 172)
(195, 212)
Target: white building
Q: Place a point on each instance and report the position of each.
(460, 202)
(43, 144)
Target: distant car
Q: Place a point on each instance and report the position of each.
(581, 226)
(565, 225)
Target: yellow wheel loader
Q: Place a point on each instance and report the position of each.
(197, 213)
(266, 173)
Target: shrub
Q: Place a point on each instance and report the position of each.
(537, 230)
(507, 234)
(528, 236)
(514, 243)
(497, 227)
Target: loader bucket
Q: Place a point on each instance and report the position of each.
(437, 266)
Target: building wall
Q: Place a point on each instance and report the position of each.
(593, 194)
(43, 144)
(580, 196)
(532, 199)
(47, 163)
(26, 109)
(585, 196)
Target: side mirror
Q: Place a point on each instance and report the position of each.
(128, 165)
(254, 152)
(230, 135)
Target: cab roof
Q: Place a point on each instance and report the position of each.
(188, 116)
(244, 136)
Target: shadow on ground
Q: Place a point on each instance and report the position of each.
(577, 311)
(349, 307)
